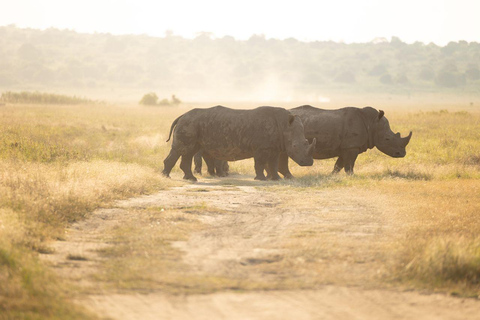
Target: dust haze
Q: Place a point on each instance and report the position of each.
(206, 68)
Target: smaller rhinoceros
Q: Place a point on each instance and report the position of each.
(345, 133)
(228, 134)
(219, 168)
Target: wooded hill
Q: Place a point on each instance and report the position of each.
(229, 68)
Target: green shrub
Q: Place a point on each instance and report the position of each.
(150, 99)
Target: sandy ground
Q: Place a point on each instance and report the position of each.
(349, 230)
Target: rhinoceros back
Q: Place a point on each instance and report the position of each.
(229, 134)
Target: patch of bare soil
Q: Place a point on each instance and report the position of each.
(321, 254)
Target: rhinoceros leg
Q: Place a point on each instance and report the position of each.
(197, 159)
(338, 165)
(170, 162)
(261, 157)
(350, 162)
(186, 166)
(272, 169)
(259, 166)
(225, 168)
(346, 160)
(283, 166)
(210, 162)
(221, 168)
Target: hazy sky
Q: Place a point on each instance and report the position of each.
(438, 21)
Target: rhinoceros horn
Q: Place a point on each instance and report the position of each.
(406, 140)
(311, 148)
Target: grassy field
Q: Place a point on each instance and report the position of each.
(58, 163)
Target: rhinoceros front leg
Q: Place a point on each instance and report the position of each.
(221, 168)
(338, 165)
(261, 158)
(283, 166)
(272, 168)
(346, 160)
(210, 164)
(197, 160)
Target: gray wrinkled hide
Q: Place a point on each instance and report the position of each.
(345, 133)
(215, 167)
(229, 135)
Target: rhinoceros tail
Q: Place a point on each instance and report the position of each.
(171, 128)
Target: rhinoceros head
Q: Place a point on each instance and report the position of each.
(296, 145)
(388, 142)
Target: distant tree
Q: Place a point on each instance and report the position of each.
(164, 102)
(450, 66)
(378, 70)
(150, 99)
(449, 79)
(450, 48)
(472, 72)
(426, 73)
(397, 43)
(29, 52)
(257, 40)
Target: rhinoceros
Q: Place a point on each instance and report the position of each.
(215, 167)
(228, 134)
(345, 133)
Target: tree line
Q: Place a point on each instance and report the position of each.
(172, 64)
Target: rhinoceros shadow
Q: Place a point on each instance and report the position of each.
(233, 179)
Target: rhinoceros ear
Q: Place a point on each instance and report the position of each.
(291, 117)
(380, 114)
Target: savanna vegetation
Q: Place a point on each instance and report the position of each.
(58, 163)
(62, 156)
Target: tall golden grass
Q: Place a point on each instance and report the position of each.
(58, 163)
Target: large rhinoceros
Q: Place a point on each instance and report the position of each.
(228, 134)
(345, 133)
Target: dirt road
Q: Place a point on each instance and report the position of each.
(294, 254)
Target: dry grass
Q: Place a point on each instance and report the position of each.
(441, 248)
(58, 163)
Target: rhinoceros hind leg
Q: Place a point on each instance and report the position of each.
(170, 162)
(186, 166)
